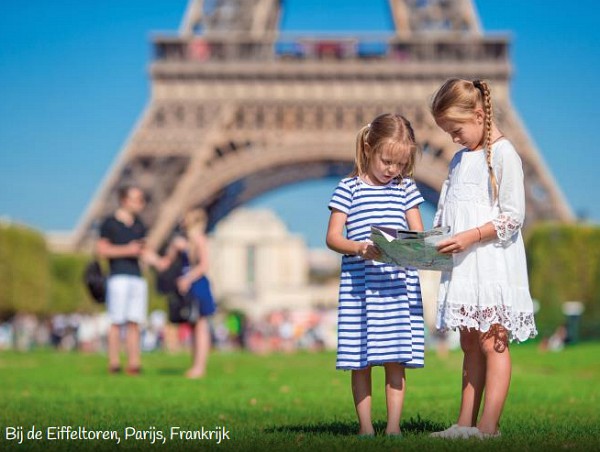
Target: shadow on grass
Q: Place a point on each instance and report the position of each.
(412, 425)
(171, 371)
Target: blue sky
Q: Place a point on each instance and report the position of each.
(73, 81)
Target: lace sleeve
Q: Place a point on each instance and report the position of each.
(511, 194)
(506, 226)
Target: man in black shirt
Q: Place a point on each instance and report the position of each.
(122, 242)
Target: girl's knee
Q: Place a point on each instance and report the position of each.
(394, 375)
(469, 341)
(361, 373)
(393, 367)
(495, 340)
(394, 370)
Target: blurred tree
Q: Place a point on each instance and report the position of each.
(24, 271)
(564, 265)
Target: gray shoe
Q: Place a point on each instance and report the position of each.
(456, 431)
(482, 435)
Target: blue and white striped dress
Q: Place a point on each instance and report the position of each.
(380, 313)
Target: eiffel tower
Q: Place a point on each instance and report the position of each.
(238, 108)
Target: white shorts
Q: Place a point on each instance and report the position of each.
(127, 299)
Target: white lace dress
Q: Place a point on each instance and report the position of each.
(488, 284)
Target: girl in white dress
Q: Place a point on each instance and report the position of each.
(486, 295)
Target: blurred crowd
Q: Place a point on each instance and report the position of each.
(277, 331)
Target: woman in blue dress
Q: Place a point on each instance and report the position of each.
(192, 247)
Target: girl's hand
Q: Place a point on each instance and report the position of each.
(183, 285)
(368, 251)
(459, 242)
(149, 257)
(179, 243)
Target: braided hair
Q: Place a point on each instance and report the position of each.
(487, 143)
(457, 99)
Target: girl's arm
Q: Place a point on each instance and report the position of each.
(161, 263)
(414, 220)
(153, 259)
(337, 242)
(511, 194)
(468, 238)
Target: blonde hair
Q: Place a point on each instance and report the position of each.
(390, 132)
(457, 100)
(194, 221)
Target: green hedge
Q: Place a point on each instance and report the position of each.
(68, 292)
(24, 271)
(564, 265)
(34, 280)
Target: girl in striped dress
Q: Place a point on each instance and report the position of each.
(380, 315)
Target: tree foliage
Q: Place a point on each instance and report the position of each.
(24, 271)
(68, 292)
(564, 265)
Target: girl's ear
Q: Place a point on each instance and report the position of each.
(366, 156)
(479, 116)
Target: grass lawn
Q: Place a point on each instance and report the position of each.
(282, 402)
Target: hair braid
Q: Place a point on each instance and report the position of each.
(410, 133)
(487, 144)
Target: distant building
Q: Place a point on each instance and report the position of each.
(258, 266)
(59, 241)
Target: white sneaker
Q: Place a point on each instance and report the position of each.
(456, 431)
(482, 435)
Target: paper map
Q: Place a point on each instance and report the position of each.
(411, 248)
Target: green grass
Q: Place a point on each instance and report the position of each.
(282, 402)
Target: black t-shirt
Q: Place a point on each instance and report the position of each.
(119, 233)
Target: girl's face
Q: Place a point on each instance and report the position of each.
(387, 165)
(469, 133)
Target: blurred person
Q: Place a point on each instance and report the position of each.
(556, 342)
(6, 335)
(380, 321)
(121, 241)
(192, 247)
(155, 331)
(87, 335)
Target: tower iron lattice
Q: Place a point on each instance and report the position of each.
(238, 108)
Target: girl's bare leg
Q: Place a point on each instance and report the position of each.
(395, 384)
(201, 344)
(494, 345)
(473, 378)
(361, 390)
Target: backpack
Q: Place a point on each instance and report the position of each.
(166, 281)
(95, 281)
(182, 308)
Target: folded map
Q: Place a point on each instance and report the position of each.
(412, 248)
